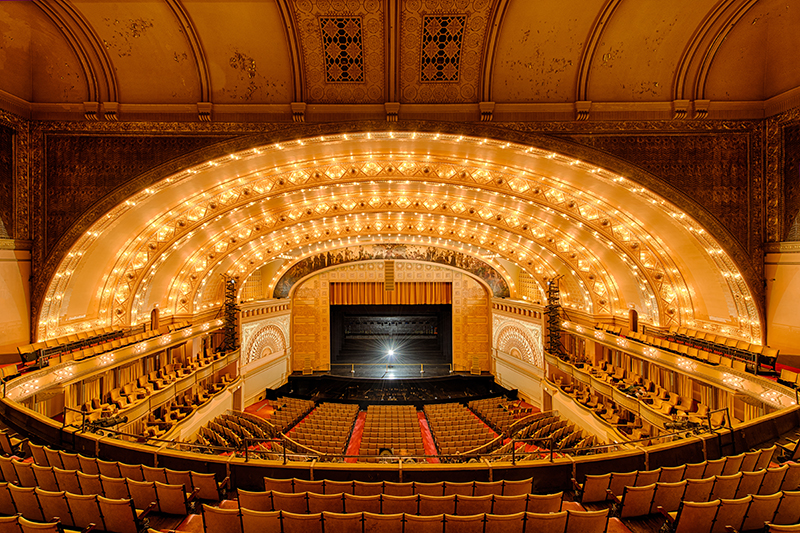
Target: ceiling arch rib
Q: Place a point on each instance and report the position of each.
(193, 39)
(553, 230)
(600, 211)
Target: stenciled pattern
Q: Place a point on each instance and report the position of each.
(513, 336)
(344, 54)
(441, 47)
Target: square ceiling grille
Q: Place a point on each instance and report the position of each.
(344, 54)
(442, 36)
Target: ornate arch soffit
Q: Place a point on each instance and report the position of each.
(298, 71)
(695, 63)
(492, 143)
(201, 62)
(88, 47)
(592, 41)
(489, 49)
(492, 277)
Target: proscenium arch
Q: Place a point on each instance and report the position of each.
(692, 262)
(299, 281)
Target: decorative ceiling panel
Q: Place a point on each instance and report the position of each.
(342, 41)
(442, 42)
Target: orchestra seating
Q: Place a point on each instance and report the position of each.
(456, 429)
(327, 428)
(391, 427)
(496, 412)
(289, 411)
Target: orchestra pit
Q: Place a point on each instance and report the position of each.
(435, 266)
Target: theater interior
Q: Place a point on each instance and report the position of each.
(451, 266)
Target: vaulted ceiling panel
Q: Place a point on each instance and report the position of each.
(245, 47)
(539, 50)
(148, 48)
(752, 63)
(639, 50)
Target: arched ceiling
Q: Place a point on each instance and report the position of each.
(239, 60)
(519, 207)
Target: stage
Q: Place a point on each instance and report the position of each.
(416, 391)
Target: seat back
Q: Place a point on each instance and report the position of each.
(429, 489)
(694, 470)
(133, 472)
(69, 461)
(714, 467)
(545, 503)
(668, 496)
(85, 510)
(143, 493)
(90, 484)
(733, 464)
(788, 509)
(698, 490)
(115, 487)
(366, 488)
(88, 465)
(587, 521)
(154, 474)
(430, 505)
(26, 526)
(291, 502)
(172, 499)
(462, 489)
(731, 513)
(647, 477)
(762, 509)
(488, 487)
(25, 475)
(359, 504)
(725, 486)
(509, 523)
(510, 504)
(750, 460)
(45, 477)
(304, 485)
(67, 480)
(38, 454)
(459, 524)
(53, 458)
(750, 483)
(6, 500)
(546, 522)
(636, 501)
(119, 515)
(383, 523)
(773, 479)
(257, 521)
(671, 474)
(208, 488)
(594, 488)
(108, 468)
(26, 502)
(791, 480)
(301, 523)
(523, 486)
(619, 480)
(333, 503)
(7, 468)
(470, 505)
(54, 506)
(216, 520)
(765, 457)
(400, 504)
(695, 517)
(336, 487)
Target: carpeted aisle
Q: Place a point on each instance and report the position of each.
(354, 445)
(427, 437)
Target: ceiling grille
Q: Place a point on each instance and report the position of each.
(442, 36)
(344, 54)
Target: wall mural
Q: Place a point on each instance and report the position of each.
(400, 251)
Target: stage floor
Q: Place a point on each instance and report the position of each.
(390, 371)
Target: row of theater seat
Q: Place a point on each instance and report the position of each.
(410, 488)
(168, 499)
(19, 524)
(596, 487)
(69, 343)
(206, 483)
(216, 520)
(418, 504)
(752, 513)
(73, 510)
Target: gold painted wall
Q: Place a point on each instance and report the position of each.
(311, 311)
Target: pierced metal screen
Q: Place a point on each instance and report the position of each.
(442, 36)
(344, 53)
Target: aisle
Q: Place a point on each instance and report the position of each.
(355, 439)
(427, 438)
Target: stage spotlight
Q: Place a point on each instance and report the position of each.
(391, 352)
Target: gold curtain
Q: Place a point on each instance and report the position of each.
(374, 293)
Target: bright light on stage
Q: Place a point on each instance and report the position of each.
(391, 352)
